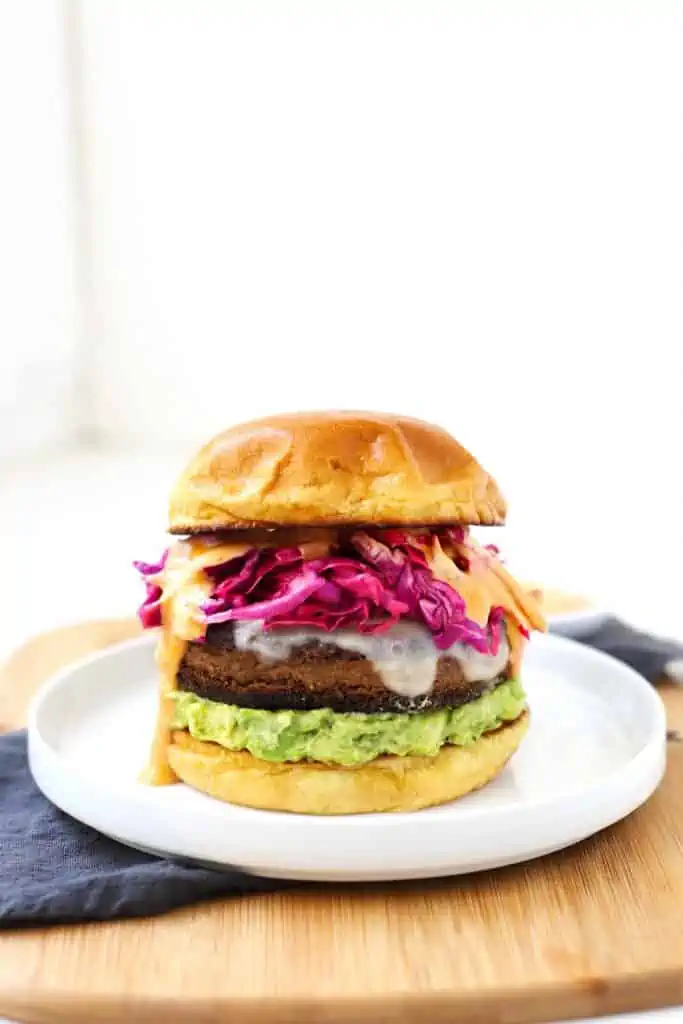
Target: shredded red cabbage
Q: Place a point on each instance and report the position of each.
(278, 586)
(151, 568)
(149, 611)
(370, 584)
(429, 600)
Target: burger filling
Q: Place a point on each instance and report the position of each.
(301, 669)
(337, 646)
(351, 738)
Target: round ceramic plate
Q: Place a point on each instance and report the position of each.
(594, 752)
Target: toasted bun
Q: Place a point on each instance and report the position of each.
(333, 468)
(386, 784)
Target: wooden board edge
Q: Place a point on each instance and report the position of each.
(594, 997)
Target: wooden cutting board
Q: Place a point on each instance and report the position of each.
(594, 929)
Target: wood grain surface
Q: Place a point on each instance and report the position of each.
(594, 929)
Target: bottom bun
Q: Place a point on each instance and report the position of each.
(386, 784)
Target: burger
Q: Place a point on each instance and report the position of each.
(332, 639)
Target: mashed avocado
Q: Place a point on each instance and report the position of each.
(348, 739)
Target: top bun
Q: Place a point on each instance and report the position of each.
(333, 469)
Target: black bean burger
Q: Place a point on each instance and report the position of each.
(332, 639)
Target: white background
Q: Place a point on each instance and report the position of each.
(470, 212)
(38, 310)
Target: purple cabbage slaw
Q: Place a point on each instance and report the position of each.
(149, 611)
(368, 586)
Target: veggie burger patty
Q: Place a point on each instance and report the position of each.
(315, 675)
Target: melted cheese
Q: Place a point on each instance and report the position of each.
(404, 657)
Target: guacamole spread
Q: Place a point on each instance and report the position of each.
(348, 739)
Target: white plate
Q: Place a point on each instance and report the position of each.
(594, 752)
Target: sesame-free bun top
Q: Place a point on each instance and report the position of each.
(333, 468)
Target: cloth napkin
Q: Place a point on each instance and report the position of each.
(652, 656)
(55, 870)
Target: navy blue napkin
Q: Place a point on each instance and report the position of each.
(55, 870)
(652, 656)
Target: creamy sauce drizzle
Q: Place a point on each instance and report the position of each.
(405, 657)
(185, 587)
(170, 651)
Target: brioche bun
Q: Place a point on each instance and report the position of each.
(333, 468)
(385, 784)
